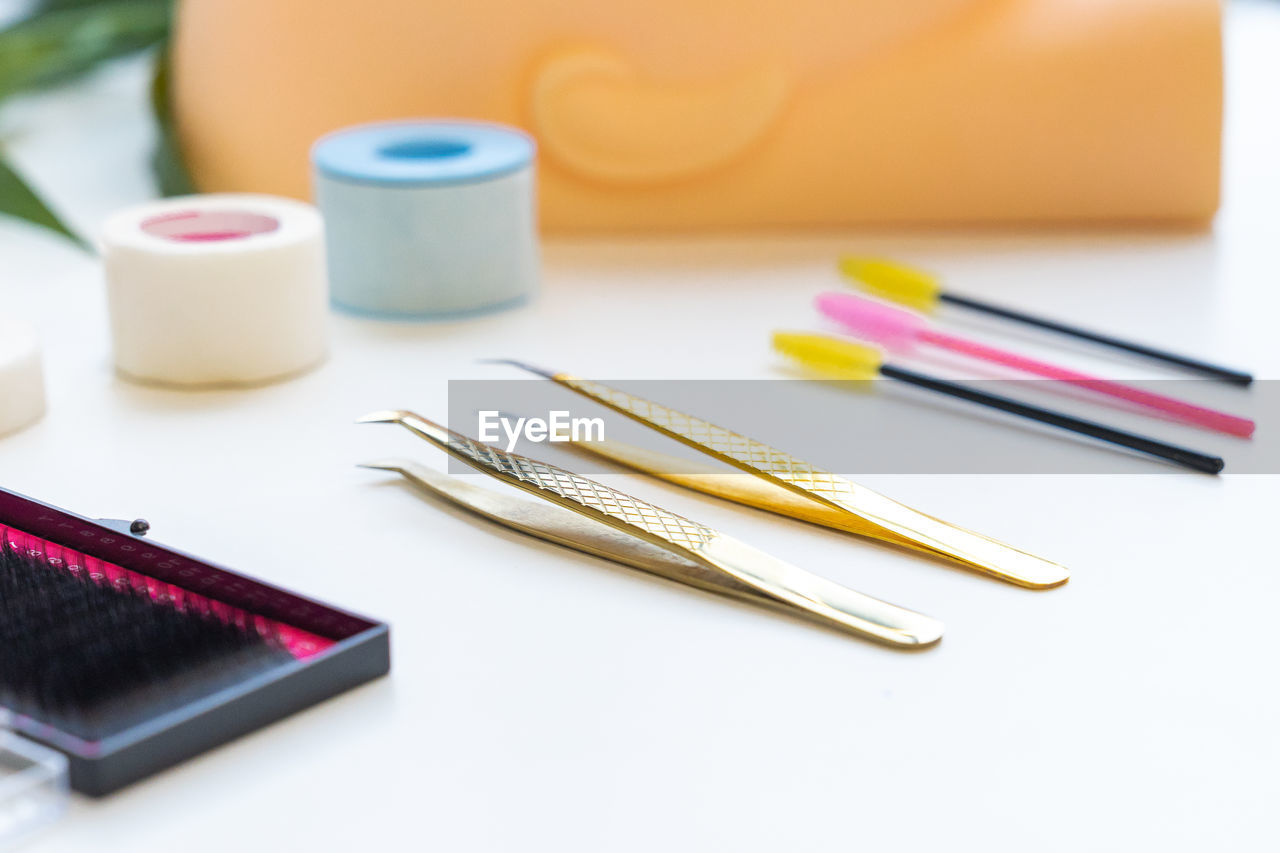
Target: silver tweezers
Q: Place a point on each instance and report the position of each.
(596, 519)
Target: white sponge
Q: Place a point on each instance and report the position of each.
(21, 376)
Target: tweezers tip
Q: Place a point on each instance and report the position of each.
(384, 416)
(390, 463)
(545, 374)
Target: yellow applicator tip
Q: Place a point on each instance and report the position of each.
(832, 356)
(893, 281)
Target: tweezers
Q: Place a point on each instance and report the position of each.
(782, 484)
(596, 519)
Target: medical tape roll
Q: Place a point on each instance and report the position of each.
(216, 289)
(428, 219)
(21, 377)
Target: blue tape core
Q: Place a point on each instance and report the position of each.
(422, 153)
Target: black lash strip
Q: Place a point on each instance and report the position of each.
(96, 657)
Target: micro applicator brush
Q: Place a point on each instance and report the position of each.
(900, 330)
(918, 289)
(846, 360)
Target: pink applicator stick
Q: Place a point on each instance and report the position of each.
(899, 329)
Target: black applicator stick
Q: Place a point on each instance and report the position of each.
(1195, 365)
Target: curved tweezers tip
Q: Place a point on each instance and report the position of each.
(383, 416)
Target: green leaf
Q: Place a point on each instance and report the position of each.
(166, 161)
(54, 5)
(69, 39)
(20, 200)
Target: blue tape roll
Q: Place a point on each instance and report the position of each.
(428, 218)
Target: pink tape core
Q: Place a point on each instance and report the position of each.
(299, 643)
(209, 226)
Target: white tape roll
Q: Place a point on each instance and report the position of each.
(216, 289)
(21, 377)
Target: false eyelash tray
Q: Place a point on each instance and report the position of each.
(329, 650)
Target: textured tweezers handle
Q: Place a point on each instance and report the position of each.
(879, 516)
(722, 442)
(617, 506)
(738, 570)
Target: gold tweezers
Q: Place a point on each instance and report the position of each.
(782, 484)
(591, 517)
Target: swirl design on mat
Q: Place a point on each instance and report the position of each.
(598, 115)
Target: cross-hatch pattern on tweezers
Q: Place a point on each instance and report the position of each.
(748, 451)
(588, 493)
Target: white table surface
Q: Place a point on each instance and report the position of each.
(541, 700)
